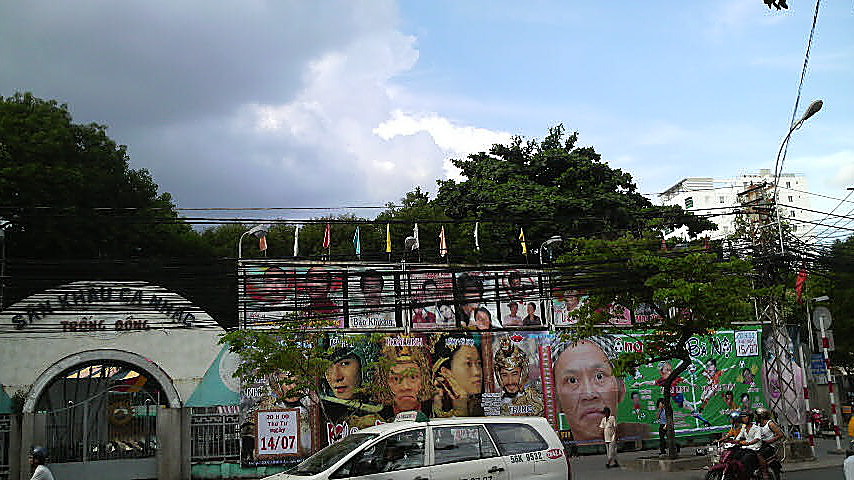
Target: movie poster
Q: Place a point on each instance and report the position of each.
(319, 296)
(517, 377)
(431, 295)
(269, 297)
(519, 299)
(476, 300)
(371, 298)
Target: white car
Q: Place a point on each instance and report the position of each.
(471, 448)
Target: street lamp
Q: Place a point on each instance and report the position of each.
(778, 165)
(258, 230)
(3, 224)
(550, 241)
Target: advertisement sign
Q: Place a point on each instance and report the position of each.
(278, 433)
(372, 378)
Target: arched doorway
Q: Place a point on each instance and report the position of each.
(99, 409)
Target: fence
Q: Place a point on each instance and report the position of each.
(214, 434)
(5, 430)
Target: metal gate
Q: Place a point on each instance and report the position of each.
(108, 426)
(5, 429)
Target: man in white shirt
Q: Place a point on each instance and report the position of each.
(38, 458)
(848, 464)
(750, 438)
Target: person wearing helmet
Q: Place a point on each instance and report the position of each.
(750, 438)
(735, 418)
(770, 434)
(38, 459)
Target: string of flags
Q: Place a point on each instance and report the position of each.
(413, 243)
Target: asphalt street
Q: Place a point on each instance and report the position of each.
(592, 467)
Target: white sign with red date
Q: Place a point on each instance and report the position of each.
(278, 432)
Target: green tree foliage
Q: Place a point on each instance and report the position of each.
(840, 267)
(693, 291)
(552, 187)
(69, 192)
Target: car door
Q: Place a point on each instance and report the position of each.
(465, 452)
(399, 456)
(525, 451)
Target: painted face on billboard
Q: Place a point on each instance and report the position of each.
(318, 282)
(467, 370)
(511, 379)
(404, 381)
(344, 376)
(586, 385)
(483, 319)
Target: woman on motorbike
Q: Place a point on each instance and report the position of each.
(735, 418)
(770, 433)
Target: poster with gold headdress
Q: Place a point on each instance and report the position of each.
(403, 380)
(516, 376)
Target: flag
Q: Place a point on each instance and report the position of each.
(476, 239)
(387, 238)
(800, 284)
(262, 243)
(417, 244)
(443, 244)
(357, 242)
(327, 236)
(296, 240)
(522, 239)
(663, 244)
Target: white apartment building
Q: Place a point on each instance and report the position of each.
(718, 199)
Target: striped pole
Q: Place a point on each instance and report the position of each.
(825, 344)
(810, 433)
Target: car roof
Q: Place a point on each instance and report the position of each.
(403, 425)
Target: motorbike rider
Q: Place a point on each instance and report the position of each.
(770, 433)
(735, 418)
(750, 438)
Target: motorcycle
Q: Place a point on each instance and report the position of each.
(822, 426)
(726, 464)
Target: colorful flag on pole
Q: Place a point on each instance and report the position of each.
(522, 239)
(296, 240)
(476, 238)
(443, 244)
(357, 242)
(801, 283)
(387, 238)
(327, 236)
(262, 243)
(417, 244)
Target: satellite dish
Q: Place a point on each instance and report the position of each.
(821, 318)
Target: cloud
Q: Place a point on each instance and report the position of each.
(834, 171)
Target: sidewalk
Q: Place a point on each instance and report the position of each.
(592, 467)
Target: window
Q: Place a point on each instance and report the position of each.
(788, 184)
(792, 214)
(459, 444)
(401, 451)
(721, 199)
(790, 198)
(794, 228)
(516, 438)
(689, 202)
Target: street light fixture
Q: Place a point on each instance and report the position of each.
(812, 109)
(258, 230)
(551, 241)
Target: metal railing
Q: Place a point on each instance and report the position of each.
(214, 435)
(5, 431)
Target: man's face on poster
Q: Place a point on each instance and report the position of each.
(586, 385)
(317, 283)
(404, 381)
(511, 379)
(372, 288)
(343, 377)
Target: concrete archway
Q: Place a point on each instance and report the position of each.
(80, 358)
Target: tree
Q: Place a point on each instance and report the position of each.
(692, 290)
(69, 191)
(839, 285)
(550, 188)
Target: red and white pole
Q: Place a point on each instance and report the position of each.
(825, 345)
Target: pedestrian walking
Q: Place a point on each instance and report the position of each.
(609, 427)
(38, 459)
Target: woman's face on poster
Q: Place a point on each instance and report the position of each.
(467, 369)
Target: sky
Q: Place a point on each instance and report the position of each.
(296, 103)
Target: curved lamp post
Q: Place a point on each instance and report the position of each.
(258, 230)
(551, 241)
(778, 166)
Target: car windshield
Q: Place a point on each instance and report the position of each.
(330, 455)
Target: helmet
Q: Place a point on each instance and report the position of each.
(763, 413)
(735, 417)
(39, 453)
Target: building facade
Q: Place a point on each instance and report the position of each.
(721, 199)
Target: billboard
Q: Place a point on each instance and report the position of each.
(372, 377)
